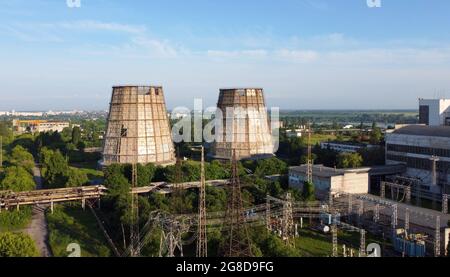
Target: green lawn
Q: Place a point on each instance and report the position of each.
(70, 224)
(318, 138)
(92, 174)
(314, 244)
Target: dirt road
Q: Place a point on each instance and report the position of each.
(38, 229)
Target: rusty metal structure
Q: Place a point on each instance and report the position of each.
(238, 242)
(245, 126)
(138, 127)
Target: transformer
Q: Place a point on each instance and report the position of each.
(138, 128)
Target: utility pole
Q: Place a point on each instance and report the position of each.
(362, 246)
(407, 222)
(437, 238)
(445, 203)
(268, 216)
(334, 240)
(310, 161)
(134, 226)
(202, 242)
(288, 222)
(238, 244)
(1, 152)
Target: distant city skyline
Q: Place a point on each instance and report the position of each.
(306, 54)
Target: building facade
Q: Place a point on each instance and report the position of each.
(326, 179)
(37, 126)
(343, 147)
(434, 112)
(425, 150)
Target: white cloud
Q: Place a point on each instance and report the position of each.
(297, 55)
(92, 25)
(256, 53)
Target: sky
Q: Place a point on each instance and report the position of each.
(306, 54)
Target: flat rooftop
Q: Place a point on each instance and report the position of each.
(422, 130)
(327, 172)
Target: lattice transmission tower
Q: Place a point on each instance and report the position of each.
(202, 241)
(134, 226)
(309, 174)
(238, 241)
(288, 228)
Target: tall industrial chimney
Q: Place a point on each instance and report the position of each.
(138, 127)
(245, 125)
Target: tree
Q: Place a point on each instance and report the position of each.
(6, 133)
(270, 166)
(350, 160)
(77, 178)
(56, 169)
(66, 134)
(76, 135)
(17, 245)
(17, 179)
(376, 136)
(309, 191)
(21, 157)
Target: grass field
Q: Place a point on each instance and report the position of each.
(70, 224)
(314, 244)
(318, 138)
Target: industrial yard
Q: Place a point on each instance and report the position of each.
(143, 196)
(224, 136)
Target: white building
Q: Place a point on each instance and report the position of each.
(422, 149)
(355, 181)
(296, 133)
(434, 112)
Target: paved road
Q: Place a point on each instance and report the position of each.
(38, 229)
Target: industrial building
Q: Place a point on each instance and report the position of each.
(425, 150)
(326, 179)
(37, 126)
(138, 127)
(353, 181)
(245, 125)
(345, 147)
(434, 112)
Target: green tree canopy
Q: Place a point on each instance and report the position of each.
(76, 135)
(77, 178)
(17, 245)
(350, 160)
(21, 157)
(17, 179)
(56, 169)
(376, 136)
(270, 166)
(308, 192)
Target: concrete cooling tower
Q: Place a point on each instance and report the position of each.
(138, 127)
(245, 126)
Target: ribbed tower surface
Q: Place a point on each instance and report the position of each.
(248, 133)
(138, 127)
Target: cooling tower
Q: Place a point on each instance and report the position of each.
(138, 127)
(245, 125)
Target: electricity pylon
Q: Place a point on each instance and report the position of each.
(202, 242)
(238, 241)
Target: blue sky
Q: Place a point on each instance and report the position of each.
(306, 54)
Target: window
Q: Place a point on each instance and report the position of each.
(124, 132)
(424, 115)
